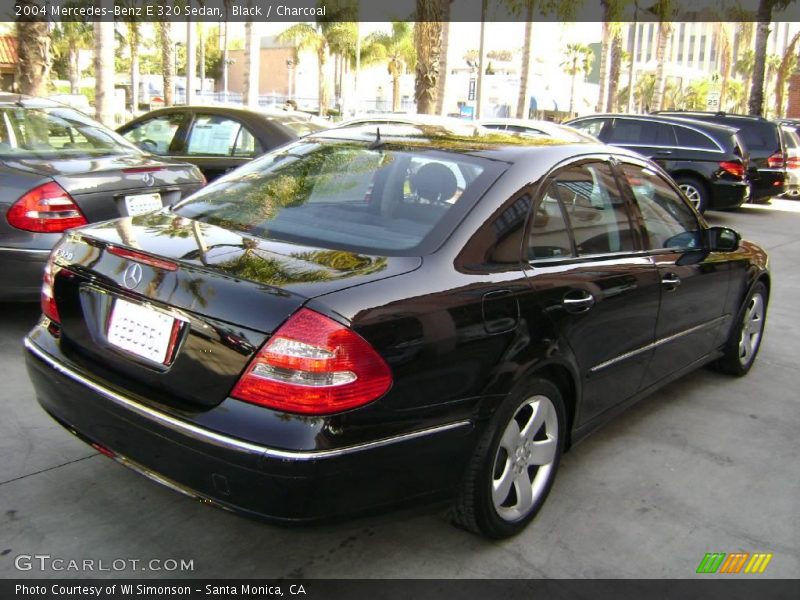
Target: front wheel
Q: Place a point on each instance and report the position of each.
(515, 463)
(744, 342)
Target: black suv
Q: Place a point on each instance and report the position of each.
(764, 143)
(707, 161)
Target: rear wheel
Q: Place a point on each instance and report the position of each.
(744, 342)
(695, 191)
(515, 463)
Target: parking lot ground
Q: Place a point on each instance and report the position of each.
(708, 464)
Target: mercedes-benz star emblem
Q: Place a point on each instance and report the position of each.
(149, 180)
(132, 276)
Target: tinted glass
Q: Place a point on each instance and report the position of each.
(155, 135)
(213, 135)
(690, 138)
(636, 131)
(596, 211)
(56, 133)
(758, 136)
(549, 234)
(590, 126)
(669, 221)
(346, 195)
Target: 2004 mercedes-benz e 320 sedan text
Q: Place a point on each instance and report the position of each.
(362, 320)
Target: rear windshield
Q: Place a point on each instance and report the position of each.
(758, 136)
(347, 195)
(50, 133)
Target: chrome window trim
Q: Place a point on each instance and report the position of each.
(656, 344)
(225, 441)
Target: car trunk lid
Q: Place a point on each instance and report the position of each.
(203, 297)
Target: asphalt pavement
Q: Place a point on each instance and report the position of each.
(708, 464)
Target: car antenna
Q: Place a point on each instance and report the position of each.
(378, 143)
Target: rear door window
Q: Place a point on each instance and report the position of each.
(595, 208)
(690, 138)
(216, 135)
(641, 132)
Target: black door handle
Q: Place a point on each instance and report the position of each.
(577, 301)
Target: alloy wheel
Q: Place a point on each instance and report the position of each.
(524, 458)
(752, 328)
(692, 193)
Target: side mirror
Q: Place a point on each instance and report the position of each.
(722, 239)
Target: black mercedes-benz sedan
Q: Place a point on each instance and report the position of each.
(363, 320)
(61, 169)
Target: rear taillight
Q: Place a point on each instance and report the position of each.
(733, 167)
(793, 162)
(48, 301)
(47, 208)
(143, 258)
(314, 366)
(776, 161)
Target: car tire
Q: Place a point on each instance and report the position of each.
(745, 338)
(512, 471)
(695, 190)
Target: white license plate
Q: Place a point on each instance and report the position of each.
(139, 204)
(140, 330)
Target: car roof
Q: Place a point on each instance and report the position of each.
(486, 143)
(667, 119)
(8, 99)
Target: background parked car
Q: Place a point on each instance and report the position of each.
(707, 161)
(60, 169)
(216, 138)
(531, 127)
(764, 142)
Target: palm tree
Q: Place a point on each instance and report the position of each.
(771, 66)
(786, 67)
(618, 55)
(397, 50)
(428, 42)
(442, 80)
(562, 11)
(167, 61)
(251, 64)
(577, 59)
(104, 67)
(33, 50)
(68, 38)
(664, 10)
(612, 11)
(134, 37)
(764, 17)
(307, 36)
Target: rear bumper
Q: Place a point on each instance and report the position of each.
(770, 183)
(272, 483)
(22, 273)
(728, 194)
